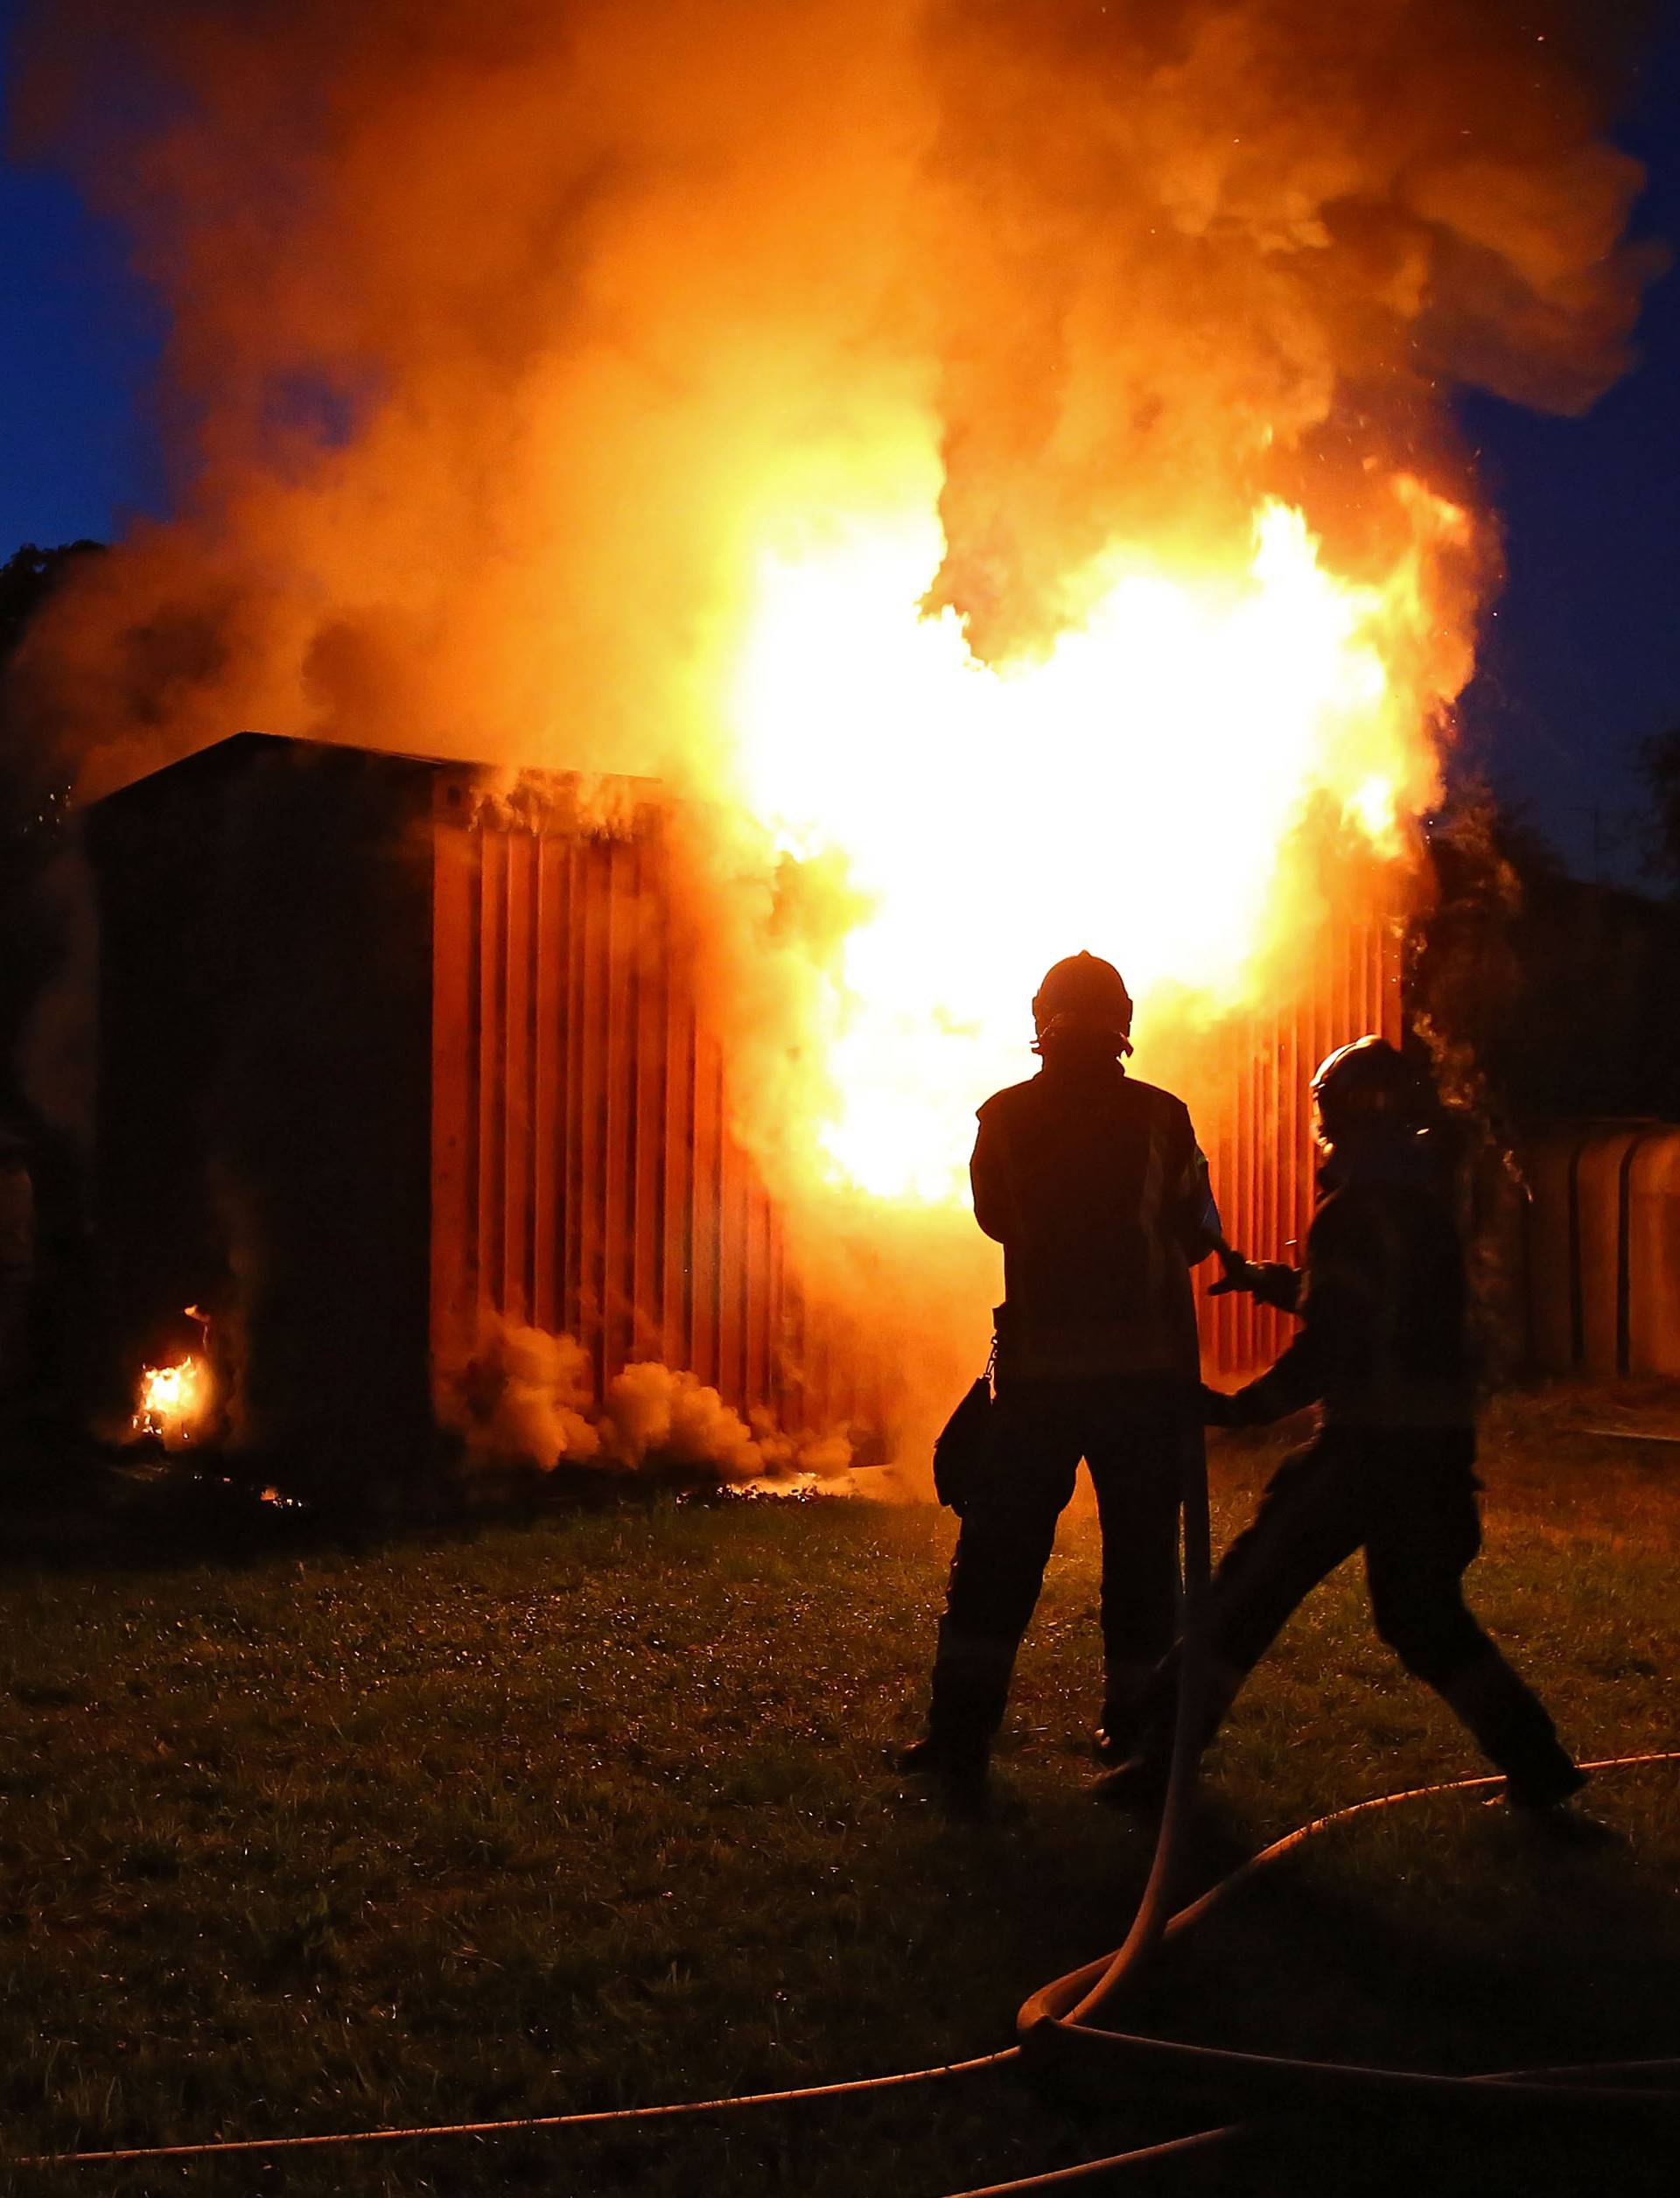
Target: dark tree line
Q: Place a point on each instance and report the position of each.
(42, 1333)
(1564, 994)
(34, 800)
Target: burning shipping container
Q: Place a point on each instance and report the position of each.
(387, 1068)
(392, 1068)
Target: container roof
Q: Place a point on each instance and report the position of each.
(240, 750)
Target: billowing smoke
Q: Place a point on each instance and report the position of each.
(500, 335)
(1203, 253)
(528, 1397)
(528, 1400)
(520, 356)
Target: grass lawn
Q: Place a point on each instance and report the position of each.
(592, 1811)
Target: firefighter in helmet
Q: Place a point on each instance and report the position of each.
(1383, 1349)
(1095, 1187)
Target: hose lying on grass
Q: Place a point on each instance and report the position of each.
(1055, 2027)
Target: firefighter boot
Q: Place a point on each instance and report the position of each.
(1138, 1784)
(1511, 1727)
(970, 1686)
(1125, 1695)
(1138, 1781)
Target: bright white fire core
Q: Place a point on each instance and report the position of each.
(1131, 791)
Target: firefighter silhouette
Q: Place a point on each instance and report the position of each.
(1384, 1348)
(1095, 1187)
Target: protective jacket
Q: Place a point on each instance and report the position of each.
(1097, 1189)
(1383, 1344)
(1382, 1299)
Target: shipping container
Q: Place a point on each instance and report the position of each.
(1555, 1326)
(388, 1056)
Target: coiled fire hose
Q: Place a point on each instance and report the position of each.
(1055, 2028)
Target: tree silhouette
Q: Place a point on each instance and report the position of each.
(34, 796)
(1557, 988)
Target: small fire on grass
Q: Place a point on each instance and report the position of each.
(173, 1402)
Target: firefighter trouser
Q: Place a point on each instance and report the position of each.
(1132, 1435)
(1408, 1498)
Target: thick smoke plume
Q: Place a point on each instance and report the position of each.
(500, 336)
(507, 344)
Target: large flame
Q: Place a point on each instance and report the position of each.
(1133, 789)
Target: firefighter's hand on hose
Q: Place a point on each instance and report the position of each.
(1269, 1282)
(1239, 1272)
(1274, 1283)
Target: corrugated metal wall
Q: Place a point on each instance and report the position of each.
(584, 1179)
(1251, 1098)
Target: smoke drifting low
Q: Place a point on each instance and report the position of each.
(528, 1400)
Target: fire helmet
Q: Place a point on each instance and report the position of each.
(1369, 1092)
(1083, 998)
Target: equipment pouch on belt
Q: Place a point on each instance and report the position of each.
(962, 1446)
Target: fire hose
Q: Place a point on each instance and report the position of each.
(1056, 2029)
(1055, 2026)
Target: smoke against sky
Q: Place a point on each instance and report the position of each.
(498, 339)
(1579, 657)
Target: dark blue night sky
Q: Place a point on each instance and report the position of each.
(1582, 658)
(1581, 661)
(78, 340)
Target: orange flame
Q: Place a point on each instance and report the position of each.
(1132, 789)
(173, 1402)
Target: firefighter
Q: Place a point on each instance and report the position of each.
(1095, 1187)
(1383, 1349)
